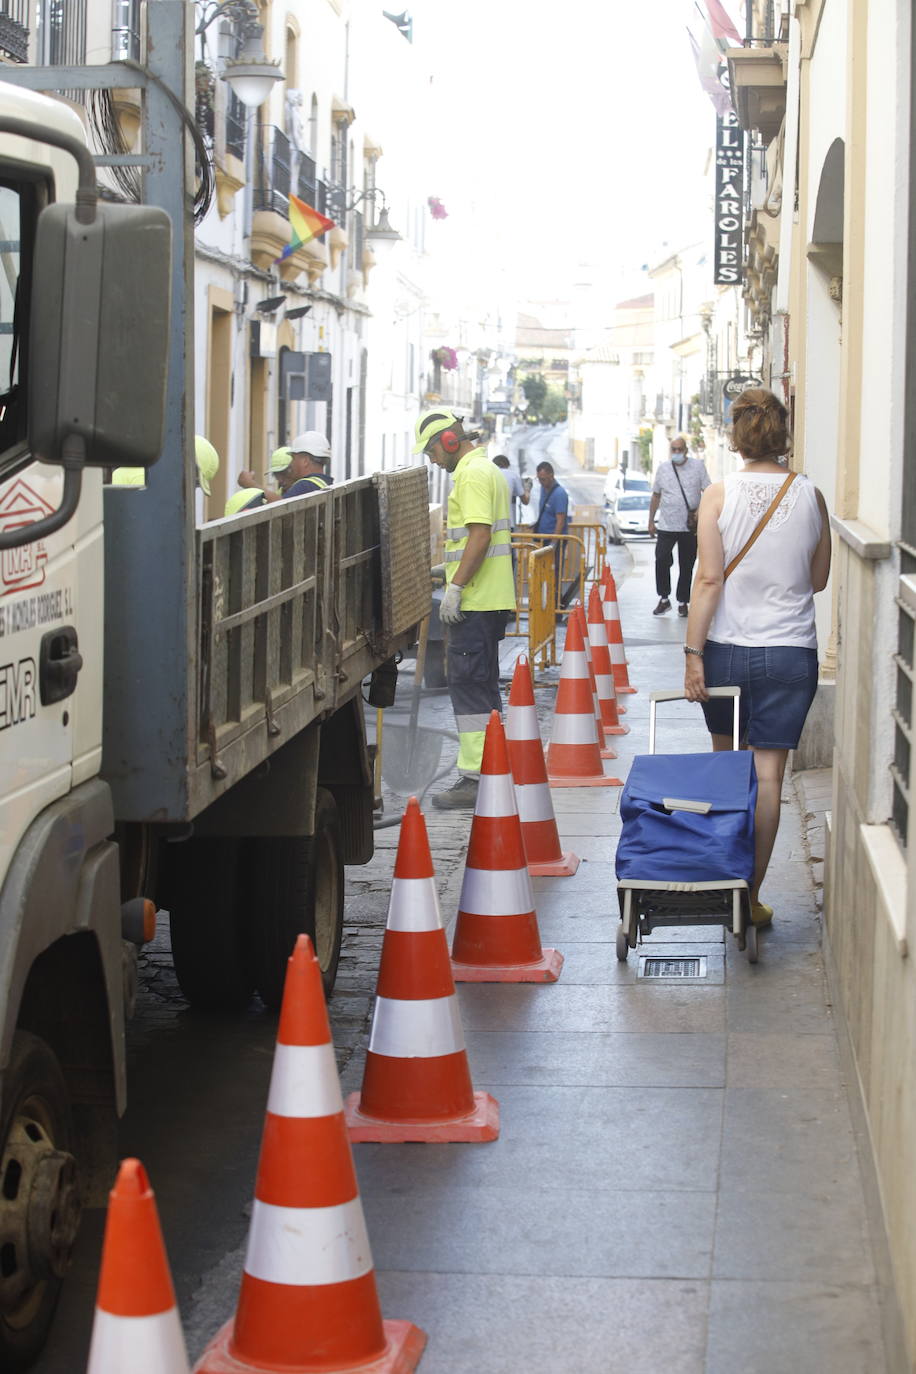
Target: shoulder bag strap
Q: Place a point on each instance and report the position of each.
(760, 525)
(690, 508)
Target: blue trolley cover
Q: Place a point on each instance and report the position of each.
(657, 844)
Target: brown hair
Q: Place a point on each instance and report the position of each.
(758, 429)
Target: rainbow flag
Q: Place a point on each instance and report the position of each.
(305, 224)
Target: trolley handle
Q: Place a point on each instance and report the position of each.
(656, 697)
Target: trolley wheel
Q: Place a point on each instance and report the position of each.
(623, 946)
(752, 944)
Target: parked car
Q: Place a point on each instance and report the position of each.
(619, 480)
(629, 515)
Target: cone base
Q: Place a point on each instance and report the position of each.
(617, 729)
(545, 970)
(624, 687)
(585, 782)
(564, 867)
(405, 1344)
(479, 1125)
(607, 752)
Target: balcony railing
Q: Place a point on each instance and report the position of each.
(14, 29)
(61, 31)
(235, 126)
(282, 171)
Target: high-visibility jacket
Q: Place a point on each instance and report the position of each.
(480, 496)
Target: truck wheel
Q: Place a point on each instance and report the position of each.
(207, 924)
(296, 886)
(39, 1198)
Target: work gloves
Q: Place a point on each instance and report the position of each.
(450, 605)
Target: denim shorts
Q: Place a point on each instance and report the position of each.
(777, 688)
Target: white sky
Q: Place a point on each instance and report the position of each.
(573, 134)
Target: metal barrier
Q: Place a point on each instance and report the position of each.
(569, 566)
(542, 613)
(594, 535)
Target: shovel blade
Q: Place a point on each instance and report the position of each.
(410, 758)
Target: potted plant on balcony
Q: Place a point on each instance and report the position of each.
(445, 357)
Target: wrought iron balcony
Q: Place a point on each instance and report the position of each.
(282, 170)
(14, 29)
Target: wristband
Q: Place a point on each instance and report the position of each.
(696, 653)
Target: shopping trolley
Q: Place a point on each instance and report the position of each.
(686, 850)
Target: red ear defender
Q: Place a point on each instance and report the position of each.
(450, 441)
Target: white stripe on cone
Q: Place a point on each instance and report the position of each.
(142, 1345)
(574, 729)
(578, 663)
(534, 802)
(617, 654)
(304, 1081)
(522, 723)
(496, 892)
(495, 795)
(603, 682)
(421, 1028)
(305, 1246)
(414, 905)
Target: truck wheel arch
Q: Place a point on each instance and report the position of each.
(61, 974)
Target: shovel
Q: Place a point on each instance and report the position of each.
(411, 754)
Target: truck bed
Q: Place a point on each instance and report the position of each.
(297, 602)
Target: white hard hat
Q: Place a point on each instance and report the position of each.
(312, 442)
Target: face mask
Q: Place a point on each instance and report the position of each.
(679, 458)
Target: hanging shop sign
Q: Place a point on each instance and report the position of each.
(728, 267)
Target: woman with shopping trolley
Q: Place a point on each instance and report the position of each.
(763, 552)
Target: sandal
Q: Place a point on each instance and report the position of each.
(761, 914)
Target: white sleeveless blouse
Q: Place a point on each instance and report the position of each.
(768, 599)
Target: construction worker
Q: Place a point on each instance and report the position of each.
(246, 498)
(206, 459)
(297, 468)
(480, 593)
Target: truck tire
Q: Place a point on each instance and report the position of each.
(207, 923)
(295, 887)
(39, 1198)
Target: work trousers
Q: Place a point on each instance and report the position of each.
(665, 542)
(473, 681)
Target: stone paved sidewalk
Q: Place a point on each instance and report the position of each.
(676, 1185)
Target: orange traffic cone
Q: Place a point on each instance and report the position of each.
(606, 750)
(601, 665)
(573, 754)
(136, 1324)
(417, 1084)
(615, 635)
(497, 938)
(546, 858)
(308, 1299)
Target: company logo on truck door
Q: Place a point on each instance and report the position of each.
(17, 692)
(23, 567)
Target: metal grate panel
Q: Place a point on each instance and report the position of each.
(692, 966)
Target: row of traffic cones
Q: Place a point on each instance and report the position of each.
(308, 1298)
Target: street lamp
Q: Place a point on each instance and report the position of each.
(250, 74)
(382, 237)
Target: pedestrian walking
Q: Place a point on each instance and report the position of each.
(479, 594)
(764, 547)
(679, 484)
(519, 491)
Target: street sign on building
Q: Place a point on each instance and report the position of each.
(728, 267)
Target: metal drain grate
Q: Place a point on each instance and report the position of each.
(687, 967)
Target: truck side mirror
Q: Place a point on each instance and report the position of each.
(99, 336)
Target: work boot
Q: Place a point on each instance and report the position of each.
(461, 796)
(663, 605)
(683, 608)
